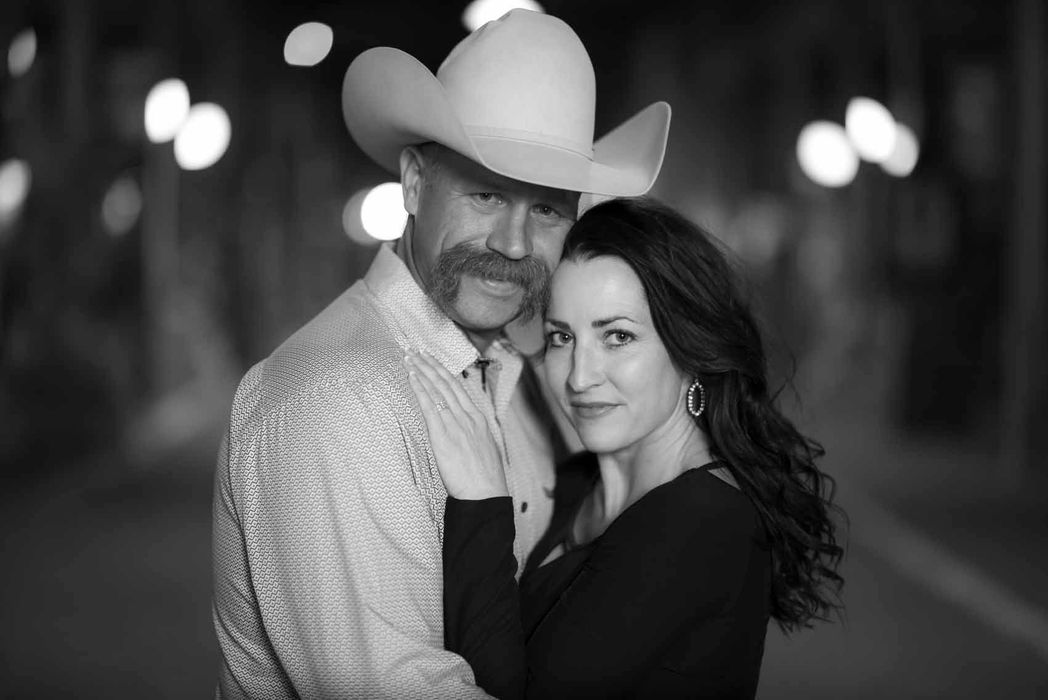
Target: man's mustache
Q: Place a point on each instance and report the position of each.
(463, 259)
(530, 274)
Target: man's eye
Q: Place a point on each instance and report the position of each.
(488, 197)
(545, 210)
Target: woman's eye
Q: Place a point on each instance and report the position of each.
(617, 338)
(557, 339)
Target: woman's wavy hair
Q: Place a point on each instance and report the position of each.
(711, 334)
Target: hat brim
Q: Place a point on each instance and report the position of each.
(390, 100)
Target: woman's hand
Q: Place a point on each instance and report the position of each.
(467, 456)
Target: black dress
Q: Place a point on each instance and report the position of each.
(672, 600)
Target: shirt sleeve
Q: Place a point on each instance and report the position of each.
(331, 580)
(666, 564)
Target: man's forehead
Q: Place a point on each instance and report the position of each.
(477, 174)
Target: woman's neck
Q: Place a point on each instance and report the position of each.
(628, 474)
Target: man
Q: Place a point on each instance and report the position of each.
(328, 504)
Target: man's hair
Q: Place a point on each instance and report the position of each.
(433, 155)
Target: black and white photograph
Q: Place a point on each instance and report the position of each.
(524, 349)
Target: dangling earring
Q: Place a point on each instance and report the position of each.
(696, 412)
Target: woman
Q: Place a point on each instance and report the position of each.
(696, 513)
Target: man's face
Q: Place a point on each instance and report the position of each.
(483, 245)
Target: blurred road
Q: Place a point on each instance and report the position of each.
(107, 582)
(106, 590)
(946, 586)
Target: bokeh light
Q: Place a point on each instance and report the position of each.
(871, 129)
(204, 137)
(480, 12)
(903, 158)
(15, 180)
(308, 44)
(825, 154)
(167, 107)
(22, 52)
(382, 212)
(122, 205)
(351, 222)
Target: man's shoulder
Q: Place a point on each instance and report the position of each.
(341, 350)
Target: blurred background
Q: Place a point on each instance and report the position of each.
(178, 193)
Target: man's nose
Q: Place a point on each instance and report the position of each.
(512, 237)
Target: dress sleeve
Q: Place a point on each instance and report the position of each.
(675, 558)
(481, 601)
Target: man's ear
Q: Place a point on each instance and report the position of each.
(412, 163)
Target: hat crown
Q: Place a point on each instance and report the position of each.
(525, 76)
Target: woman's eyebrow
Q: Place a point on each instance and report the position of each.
(558, 324)
(601, 322)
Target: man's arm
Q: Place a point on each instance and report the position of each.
(249, 667)
(341, 554)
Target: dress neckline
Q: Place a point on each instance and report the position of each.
(569, 538)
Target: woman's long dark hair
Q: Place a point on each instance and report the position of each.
(711, 334)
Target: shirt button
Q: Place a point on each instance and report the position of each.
(524, 507)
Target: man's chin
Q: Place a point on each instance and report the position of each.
(482, 315)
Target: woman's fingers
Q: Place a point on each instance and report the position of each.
(428, 401)
(448, 385)
(439, 381)
(465, 451)
(444, 404)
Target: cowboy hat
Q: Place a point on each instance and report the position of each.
(517, 96)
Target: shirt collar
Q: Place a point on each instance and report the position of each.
(421, 321)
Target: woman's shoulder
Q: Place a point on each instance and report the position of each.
(693, 520)
(697, 500)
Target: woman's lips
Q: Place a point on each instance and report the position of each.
(591, 409)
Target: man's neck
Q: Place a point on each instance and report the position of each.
(481, 340)
(403, 250)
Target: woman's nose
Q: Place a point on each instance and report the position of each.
(585, 370)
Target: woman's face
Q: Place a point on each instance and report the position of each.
(608, 368)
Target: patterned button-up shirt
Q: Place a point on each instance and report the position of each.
(328, 510)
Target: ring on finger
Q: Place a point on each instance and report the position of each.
(441, 405)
